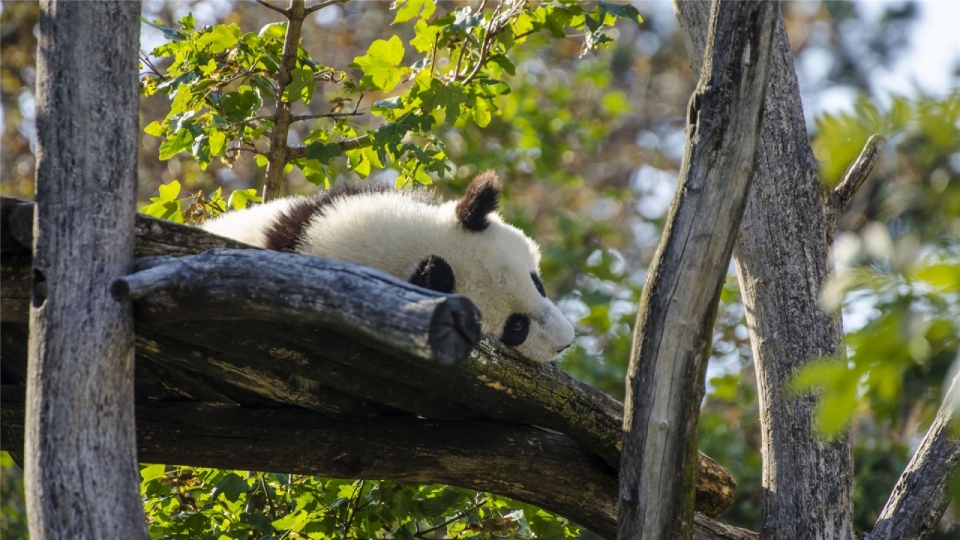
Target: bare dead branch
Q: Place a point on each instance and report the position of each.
(856, 174)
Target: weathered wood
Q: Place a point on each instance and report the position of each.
(522, 462)
(492, 382)
(359, 301)
(81, 477)
(836, 201)
(782, 262)
(672, 337)
(922, 493)
(272, 385)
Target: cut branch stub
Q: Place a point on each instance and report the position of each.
(665, 380)
(361, 302)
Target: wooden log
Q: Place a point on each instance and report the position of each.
(672, 337)
(492, 382)
(356, 300)
(782, 259)
(545, 469)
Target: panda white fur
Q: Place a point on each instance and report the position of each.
(458, 247)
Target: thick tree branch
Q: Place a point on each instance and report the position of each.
(522, 462)
(665, 380)
(858, 172)
(922, 493)
(782, 262)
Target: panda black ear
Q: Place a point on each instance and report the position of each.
(435, 274)
(481, 198)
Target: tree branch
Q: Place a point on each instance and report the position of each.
(922, 493)
(347, 144)
(321, 5)
(280, 10)
(521, 462)
(858, 172)
(672, 337)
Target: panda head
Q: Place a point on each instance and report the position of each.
(497, 266)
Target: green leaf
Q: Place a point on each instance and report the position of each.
(408, 9)
(426, 36)
(152, 472)
(231, 486)
(294, 521)
(169, 191)
(240, 197)
(505, 63)
(381, 63)
(239, 105)
(164, 210)
(481, 112)
(276, 30)
(220, 38)
(301, 86)
(323, 152)
(154, 128)
(446, 97)
(624, 11)
(168, 33)
(218, 141)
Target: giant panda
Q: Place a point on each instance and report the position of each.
(458, 247)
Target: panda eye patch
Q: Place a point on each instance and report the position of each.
(538, 284)
(515, 330)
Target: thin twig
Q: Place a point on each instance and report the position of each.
(273, 512)
(285, 12)
(321, 5)
(297, 152)
(459, 515)
(859, 170)
(326, 115)
(351, 511)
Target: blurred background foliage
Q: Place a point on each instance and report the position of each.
(589, 151)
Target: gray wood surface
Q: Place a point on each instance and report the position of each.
(81, 475)
(672, 337)
(362, 302)
(922, 493)
(782, 262)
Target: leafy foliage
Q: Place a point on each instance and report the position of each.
(183, 502)
(169, 206)
(13, 511)
(220, 79)
(903, 281)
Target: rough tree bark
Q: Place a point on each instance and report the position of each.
(781, 259)
(81, 471)
(665, 380)
(922, 493)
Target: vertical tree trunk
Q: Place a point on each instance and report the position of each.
(781, 258)
(658, 472)
(81, 473)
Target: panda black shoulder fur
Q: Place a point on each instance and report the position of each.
(452, 247)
